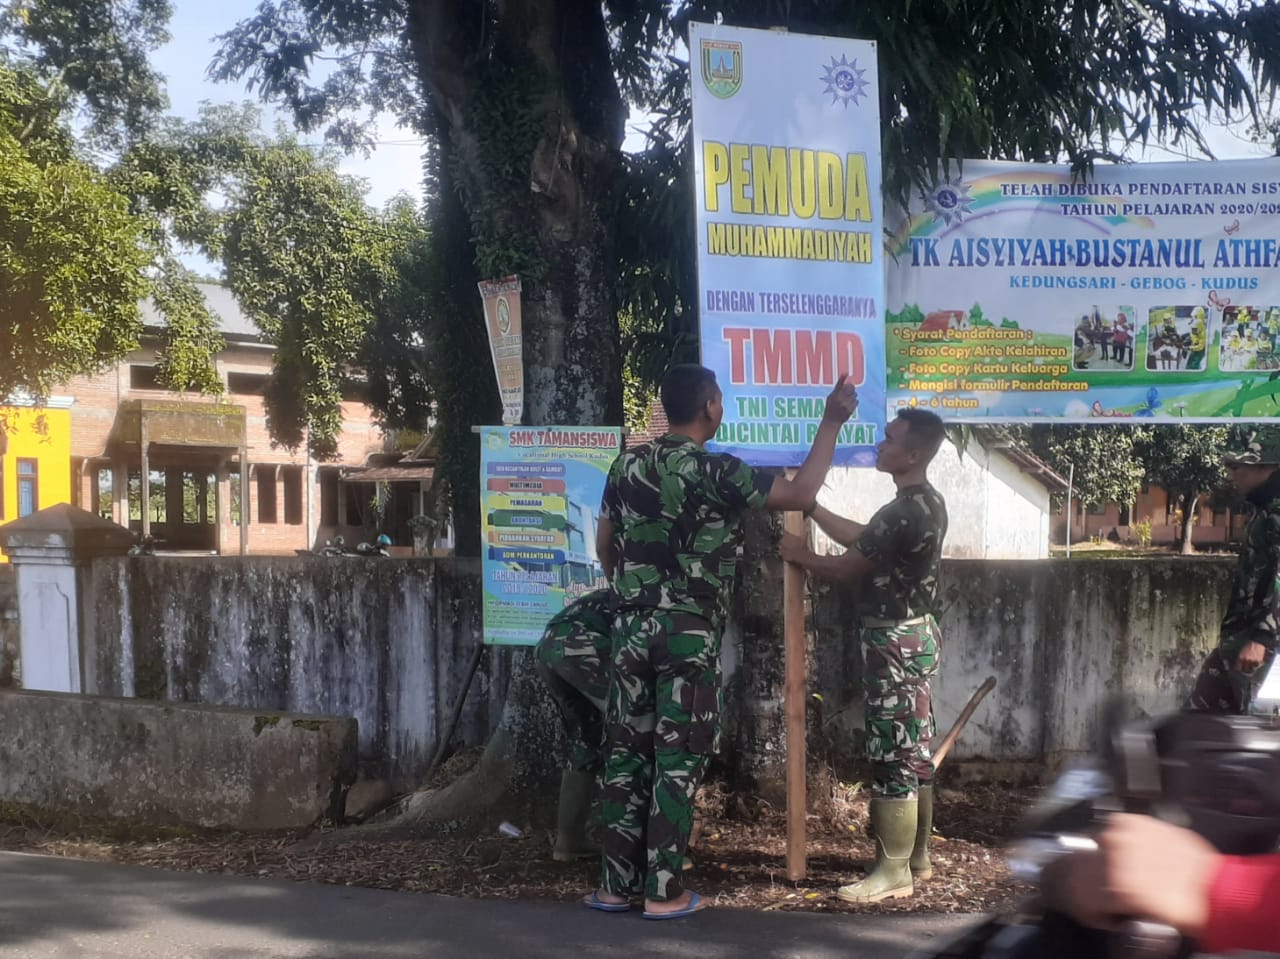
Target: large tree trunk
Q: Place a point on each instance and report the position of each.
(534, 124)
(531, 122)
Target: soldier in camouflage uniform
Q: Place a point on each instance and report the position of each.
(1252, 621)
(895, 560)
(670, 536)
(573, 659)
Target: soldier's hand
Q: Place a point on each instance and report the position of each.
(843, 401)
(1251, 657)
(793, 547)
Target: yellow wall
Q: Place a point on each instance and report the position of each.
(44, 435)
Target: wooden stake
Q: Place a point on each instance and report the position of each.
(794, 690)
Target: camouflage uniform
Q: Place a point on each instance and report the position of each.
(573, 659)
(676, 511)
(900, 638)
(1253, 612)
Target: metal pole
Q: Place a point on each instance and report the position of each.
(1071, 480)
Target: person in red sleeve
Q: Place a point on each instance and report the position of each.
(1147, 869)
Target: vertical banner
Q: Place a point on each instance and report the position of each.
(502, 320)
(786, 135)
(540, 490)
(1019, 292)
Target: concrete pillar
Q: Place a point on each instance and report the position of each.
(146, 483)
(51, 550)
(223, 523)
(244, 501)
(120, 493)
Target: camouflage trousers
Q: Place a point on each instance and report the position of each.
(1220, 687)
(662, 726)
(898, 664)
(578, 681)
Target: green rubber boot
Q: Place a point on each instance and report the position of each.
(894, 823)
(921, 867)
(577, 790)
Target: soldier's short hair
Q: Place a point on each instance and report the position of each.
(685, 390)
(925, 430)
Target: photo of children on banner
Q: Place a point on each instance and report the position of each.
(1249, 339)
(1177, 339)
(1103, 340)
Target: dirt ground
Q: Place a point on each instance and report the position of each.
(738, 855)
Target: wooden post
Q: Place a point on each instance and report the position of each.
(794, 694)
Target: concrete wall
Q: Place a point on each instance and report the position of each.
(388, 641)
(10, 668)
(384, 640)
(173, 765)
(1059, 636)
(995, 510)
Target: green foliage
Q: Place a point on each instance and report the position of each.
(71, 255)
(307, 262)
(365, 46)
(398, 349)
(334, 285)
(465, 385)
(184, 360)
(507, 124)
(94, 55)
(1111, 461)
(1185, 460)
(1142, 530)
(1108, 468)
(98, 51)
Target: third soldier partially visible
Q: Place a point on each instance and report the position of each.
(1251, 626)
(895, 557)
(573, 659)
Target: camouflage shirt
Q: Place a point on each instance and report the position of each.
(903, 541)
(583, 628)
(676, 511)
(1253, 612)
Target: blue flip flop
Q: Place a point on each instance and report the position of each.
(595, 902)
(689, 910)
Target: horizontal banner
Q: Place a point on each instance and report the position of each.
(1019, 293)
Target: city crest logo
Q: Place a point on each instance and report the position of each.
(722, 67)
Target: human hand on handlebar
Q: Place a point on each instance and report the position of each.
(1142, 869)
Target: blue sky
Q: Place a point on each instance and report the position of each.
(395, 164)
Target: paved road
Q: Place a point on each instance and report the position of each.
(64, 909)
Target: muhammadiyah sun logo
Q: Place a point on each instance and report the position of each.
(949, 201)
(722, 67)
(844, 81)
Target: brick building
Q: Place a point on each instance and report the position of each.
(1218, 521)
(200, 473)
